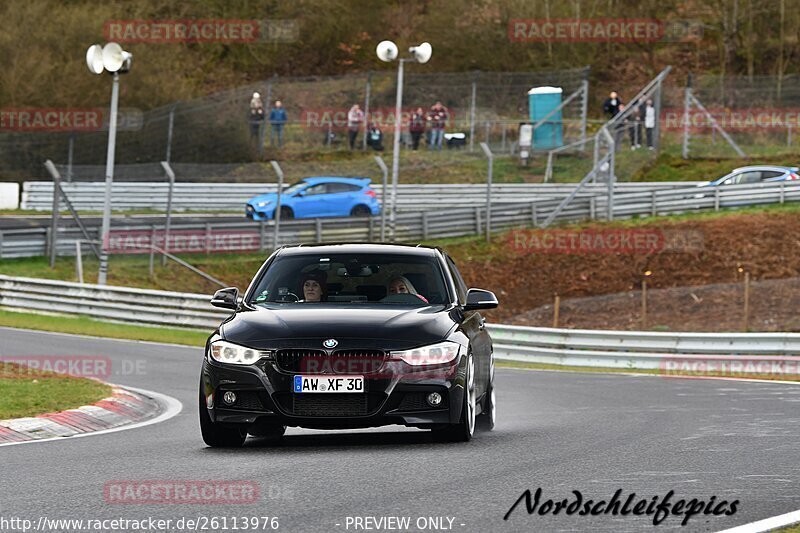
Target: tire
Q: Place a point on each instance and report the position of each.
(268, 430)
(360, 211)
(217, 435)
(486, 420)
(465, 428)
(286, 213)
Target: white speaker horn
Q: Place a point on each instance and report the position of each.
(113, 57)
(422, 53)
(94, 59)
(387, 51)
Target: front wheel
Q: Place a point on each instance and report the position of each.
(463, 430)
(486, 420)
(286, 213)
(217, 435)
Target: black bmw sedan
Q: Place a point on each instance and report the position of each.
(349, 336)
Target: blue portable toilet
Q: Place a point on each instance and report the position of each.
(541, 101)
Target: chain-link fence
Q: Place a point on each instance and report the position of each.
(630, 138)
(482, 107)
(710, 116)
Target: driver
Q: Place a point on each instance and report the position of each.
(315, 287)
(401, 285)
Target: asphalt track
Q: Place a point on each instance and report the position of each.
(559, 431)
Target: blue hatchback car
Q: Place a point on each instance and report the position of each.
(318, 197)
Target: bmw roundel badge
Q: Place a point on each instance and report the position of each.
(330, 343)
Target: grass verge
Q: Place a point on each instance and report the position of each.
(98, 328)
(29, 392)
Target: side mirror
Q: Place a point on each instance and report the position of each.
(227, 298)
(300, 194)
(480, 299)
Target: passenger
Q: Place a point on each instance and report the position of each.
(315, 287)
(401, 285)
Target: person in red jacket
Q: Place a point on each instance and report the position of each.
(416, 127)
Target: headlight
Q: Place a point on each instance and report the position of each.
(435, 354)
(262, 204)
(227, 352)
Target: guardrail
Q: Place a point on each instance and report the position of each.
(142, 306)
(593, 348)
(634, 349)
(442, 221)
(89, 196)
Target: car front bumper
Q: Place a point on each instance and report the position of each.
(253, 213)
(394, 395)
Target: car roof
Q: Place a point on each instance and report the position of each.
(314, 180)
(762, 167)
(359, 248)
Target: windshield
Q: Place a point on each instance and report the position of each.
(293, 188)
(346, 279)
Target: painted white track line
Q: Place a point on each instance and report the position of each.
(768, 524)
(173, 406)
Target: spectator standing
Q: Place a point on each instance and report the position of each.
(611, 107)
(355, 117)
(256, 117)
(634, 120)
(649, 122)
(375, 137)
(437, 116)
(416, 127)
(277, 119)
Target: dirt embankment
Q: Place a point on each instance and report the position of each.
(764, 244)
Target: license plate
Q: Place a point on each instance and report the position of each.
(328, 384)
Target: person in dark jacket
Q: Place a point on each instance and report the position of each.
(256, 117)
(375, 137)
(611, 105)
(416, 127)
(277, 119)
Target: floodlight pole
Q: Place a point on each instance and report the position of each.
(276, 215)
(396, 145)
(112, 140)
(490, 157)
(385, 172)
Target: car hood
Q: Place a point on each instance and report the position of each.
(269, 197)
(307, 325)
